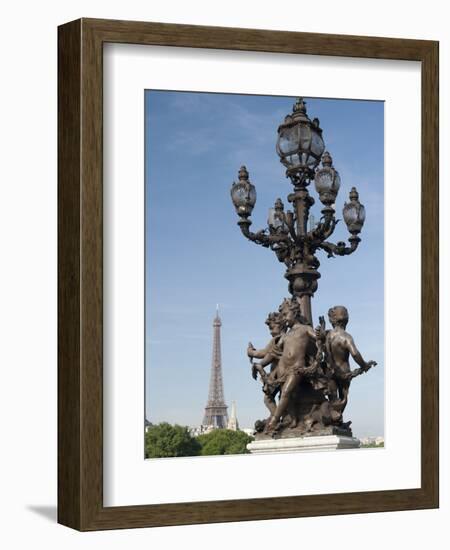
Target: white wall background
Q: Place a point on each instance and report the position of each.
(28, 272)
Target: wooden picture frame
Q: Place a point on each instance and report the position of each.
(80, 273)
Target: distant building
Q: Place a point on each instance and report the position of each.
(372, 441)
(200, 430)
(233, 423)
(147, 425)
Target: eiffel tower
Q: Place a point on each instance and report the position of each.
(216, 411)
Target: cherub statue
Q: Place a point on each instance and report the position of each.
(339, 345)
(269, 355)
(309, 371)
(298, 353)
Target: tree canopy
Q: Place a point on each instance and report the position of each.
(165, 440)
(224, 442)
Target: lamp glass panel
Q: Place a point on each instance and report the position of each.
(288, 139)
(312, 162)
(293, 160)
(317, 144)
(350, 213)
(362, 214)
(239, 195)
(305, 137)
(337, 182)
(323, 180)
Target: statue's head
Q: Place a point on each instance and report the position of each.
(275, 323)
(291, 312)
(338, 316)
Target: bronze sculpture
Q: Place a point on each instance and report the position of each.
(310, 371)
(339, 346)
(270, 355)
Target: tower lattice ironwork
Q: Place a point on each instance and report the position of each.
(216, 415)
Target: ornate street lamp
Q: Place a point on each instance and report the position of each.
(301, 147)
(243, 194)
(277, 218)
(327, 181)
(300, 144)
(354, 213)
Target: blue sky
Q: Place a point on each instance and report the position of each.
(196, 256)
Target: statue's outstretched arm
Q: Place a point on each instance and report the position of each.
(258, 353)
(358, 358)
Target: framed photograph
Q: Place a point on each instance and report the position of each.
(248, 274)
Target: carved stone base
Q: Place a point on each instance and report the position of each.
(299, 431)
(303, 444)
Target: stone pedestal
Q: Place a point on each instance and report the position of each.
(303, 444)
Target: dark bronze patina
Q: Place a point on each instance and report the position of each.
(309, 368)
(310, 372)
(301, 148)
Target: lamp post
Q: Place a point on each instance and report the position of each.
(301, 148)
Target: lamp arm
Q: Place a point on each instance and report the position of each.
(259, 238)
(322, 232)
(330, 227)
(340, 249)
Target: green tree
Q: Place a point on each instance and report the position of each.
(224, 442)
(164, 440)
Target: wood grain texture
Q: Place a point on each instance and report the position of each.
(430, 273)
(69, 244)
(80, 245)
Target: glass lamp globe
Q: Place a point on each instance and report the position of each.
(327, 181)
(277, 218)
(300, 144)
(243, 194)
(354, 213)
